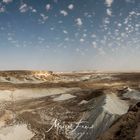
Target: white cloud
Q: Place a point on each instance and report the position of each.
(82, 40)
(133, 13)
(52, 28)
(7, 1)
(93, 36)
(44, 17)
(84, 35)
(10, 38)
(48, 7)
(119, 24)
(60, 21)
(24, 8)
(65, 32)
(67, 39)
(109, 12)
(2, 9)
(71, 6)
(34, 10)
(63, 12)
(109, 2)
(106, 20)
(94, 45)
(79, 21)
(40, 40)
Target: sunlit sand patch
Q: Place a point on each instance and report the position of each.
(64, 97)
(15, 132)
(20, 94)
(83, 102)
(114, 105)
(112, 84)
(132, 94)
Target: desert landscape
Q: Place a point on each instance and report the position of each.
(89, 105)
(69, 69)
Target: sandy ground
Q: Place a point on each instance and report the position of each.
(20, 94)
(75, 106)
(15, 132)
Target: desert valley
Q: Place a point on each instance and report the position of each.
(45, 105)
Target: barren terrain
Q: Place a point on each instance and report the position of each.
(41, 105)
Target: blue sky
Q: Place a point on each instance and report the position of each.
(65, 35)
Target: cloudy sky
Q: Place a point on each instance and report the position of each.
(65, 35)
